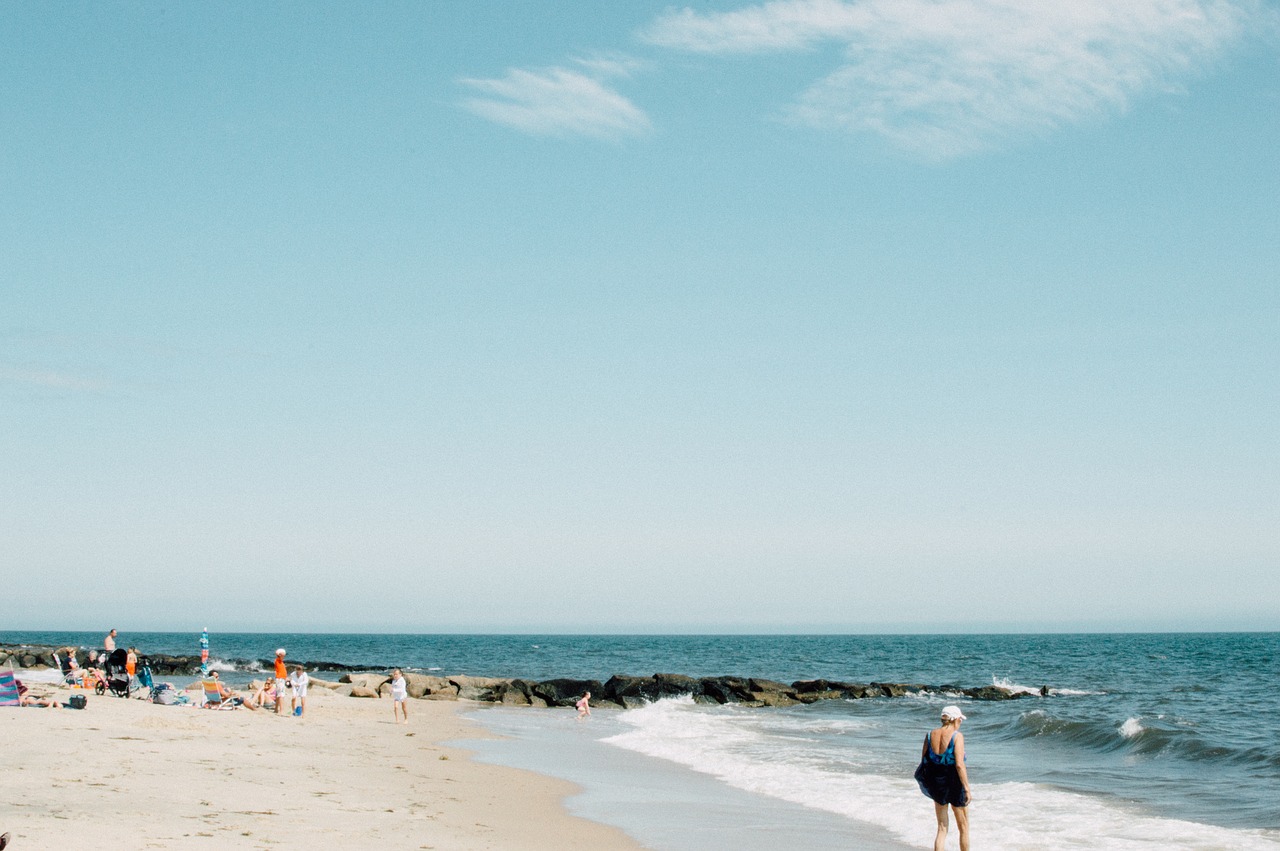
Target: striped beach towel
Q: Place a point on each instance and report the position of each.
(8, 689)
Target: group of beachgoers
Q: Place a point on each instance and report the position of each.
(94, 675)
(286, 685)
(941, 775)
(89, 678)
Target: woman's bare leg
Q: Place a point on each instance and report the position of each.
(962, 826)
(940, 841)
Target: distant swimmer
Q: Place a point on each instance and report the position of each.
(584, 706)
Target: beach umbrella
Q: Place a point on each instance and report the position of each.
(204, 651)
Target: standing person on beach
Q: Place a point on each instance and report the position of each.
(109, 642)
(131, 663)
(584, 706)
(299, 680)
(943, 777)
(282, 680)
(399, 696)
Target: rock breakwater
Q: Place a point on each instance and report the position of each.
(621, 690)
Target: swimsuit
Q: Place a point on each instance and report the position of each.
(938, 777)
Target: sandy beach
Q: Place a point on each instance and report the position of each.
(131, 774)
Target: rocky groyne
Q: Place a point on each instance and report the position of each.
(620, 690)
(631, 691)
(41, 656)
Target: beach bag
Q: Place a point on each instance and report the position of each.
(78, 701)
(165, 694)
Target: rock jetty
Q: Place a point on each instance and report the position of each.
(620, 690)
(628, 692)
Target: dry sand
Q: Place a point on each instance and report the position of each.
(130, 774)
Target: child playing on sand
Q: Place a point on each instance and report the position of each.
(299, 680)
(399, 697)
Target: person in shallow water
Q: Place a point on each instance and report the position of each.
(943, 777)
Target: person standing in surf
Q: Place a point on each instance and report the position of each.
(942, 776)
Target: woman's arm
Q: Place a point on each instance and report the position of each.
(960, 767)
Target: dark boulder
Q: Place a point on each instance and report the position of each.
(514, 693)
(726, 689)
(770, 693)
(477, 688)
(565, 692)
(812, 691)
(675, 685)
(629, 691)
(992, 693)
(899, 689)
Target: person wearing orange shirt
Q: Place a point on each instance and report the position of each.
(282, 680)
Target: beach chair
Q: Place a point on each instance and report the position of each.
(213, 697)
(9, 689)
(70, 676)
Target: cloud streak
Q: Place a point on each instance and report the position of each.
(560, 101)
(945, 78)
(50, 379)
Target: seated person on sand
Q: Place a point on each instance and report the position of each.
(230, 697)
(265, 696)
(86, 678)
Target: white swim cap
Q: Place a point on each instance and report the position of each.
(280, 652)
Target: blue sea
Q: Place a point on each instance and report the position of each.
(1145, 740)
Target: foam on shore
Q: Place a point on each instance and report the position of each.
(662, 804)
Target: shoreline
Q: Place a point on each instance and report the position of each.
(133, 774)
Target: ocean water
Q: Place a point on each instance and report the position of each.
(1145, 741)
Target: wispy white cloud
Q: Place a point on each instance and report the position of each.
(49, 378)
(561, 101)
(944, 78)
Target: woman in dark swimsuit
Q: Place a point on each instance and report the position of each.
(943, 777)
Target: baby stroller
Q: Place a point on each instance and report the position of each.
(117, 674)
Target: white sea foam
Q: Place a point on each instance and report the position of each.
(39, 675)
(739, 747)
(1131, 727)
(1006, 683)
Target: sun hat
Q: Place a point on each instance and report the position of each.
(280, 652)
(953, 712)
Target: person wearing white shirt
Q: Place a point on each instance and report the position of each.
(399, 696)
(299, 680)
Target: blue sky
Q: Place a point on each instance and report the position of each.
(793, 316)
